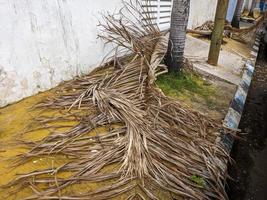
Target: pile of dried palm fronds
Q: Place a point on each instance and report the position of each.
(205, 29)
(245, 35)
(207, 26)
(153, 143)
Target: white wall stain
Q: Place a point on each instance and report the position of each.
(45, 42)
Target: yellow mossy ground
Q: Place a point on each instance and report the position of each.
(14, 119)
(192, 90)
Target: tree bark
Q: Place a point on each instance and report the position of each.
(217, 33)
(253, 5)
(179, 22)
(237, 15)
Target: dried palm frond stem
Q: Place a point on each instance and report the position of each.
(152, 141)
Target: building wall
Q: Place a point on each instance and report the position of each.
(231, 10)
(45, 42)
(248, 4)
(201, 11)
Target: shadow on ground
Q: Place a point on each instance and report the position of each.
(249, 172)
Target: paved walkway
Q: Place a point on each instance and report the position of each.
(230, 65)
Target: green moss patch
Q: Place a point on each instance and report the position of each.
(198, 180)
(185, 85)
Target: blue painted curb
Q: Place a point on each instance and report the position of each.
(237, 105)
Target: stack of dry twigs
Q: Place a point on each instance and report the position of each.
(152, 142)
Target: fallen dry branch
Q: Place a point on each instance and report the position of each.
(149, 144)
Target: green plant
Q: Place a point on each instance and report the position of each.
(198, 180)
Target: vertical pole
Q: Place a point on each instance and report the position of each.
(238, 13)
(217, 33)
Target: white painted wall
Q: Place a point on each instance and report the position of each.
(44, 42)
(201, 11)
(231, 10)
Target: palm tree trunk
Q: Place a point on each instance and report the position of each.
(179, 22)
(253, 5)
(237, 15)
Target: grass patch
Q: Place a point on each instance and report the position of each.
(186, 85)
(198, 180)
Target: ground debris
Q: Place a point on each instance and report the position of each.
(131, 140)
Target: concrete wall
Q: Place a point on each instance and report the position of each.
(201, 11)
(44, 42)
(248, 4)
(231, 10)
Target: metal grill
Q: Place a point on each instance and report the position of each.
(159, 10)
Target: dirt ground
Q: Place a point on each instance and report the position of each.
(250, 170)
